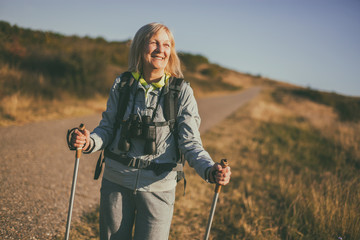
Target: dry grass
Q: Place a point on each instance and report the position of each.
(273, 194)
(18, 110)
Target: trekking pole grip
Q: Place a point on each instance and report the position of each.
(79, 150)
(224, 163)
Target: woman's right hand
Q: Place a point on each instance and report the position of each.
(80, 139)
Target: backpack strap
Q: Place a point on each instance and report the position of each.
(171, 109)
(125, 87)
(172, 99)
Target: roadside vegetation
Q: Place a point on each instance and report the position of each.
(295, 168)
(348, 108)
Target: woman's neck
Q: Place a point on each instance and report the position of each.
(153, 76)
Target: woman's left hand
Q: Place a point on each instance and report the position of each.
(222, 175)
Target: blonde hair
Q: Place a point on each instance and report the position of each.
(137, 49)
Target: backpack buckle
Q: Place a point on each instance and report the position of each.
(138, 163)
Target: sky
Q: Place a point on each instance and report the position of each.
(310, 43)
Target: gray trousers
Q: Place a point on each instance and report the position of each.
(121, 208)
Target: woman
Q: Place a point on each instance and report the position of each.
(135, 195)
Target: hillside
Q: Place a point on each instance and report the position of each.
(47, 75)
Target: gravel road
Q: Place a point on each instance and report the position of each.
(36, 171)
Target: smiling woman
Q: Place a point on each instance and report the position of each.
(151, 118)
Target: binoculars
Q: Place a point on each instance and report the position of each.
(142, 128)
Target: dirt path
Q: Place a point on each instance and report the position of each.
(36, 171)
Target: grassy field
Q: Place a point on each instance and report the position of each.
(295, 175)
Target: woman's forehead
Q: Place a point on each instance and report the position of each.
(161, 35)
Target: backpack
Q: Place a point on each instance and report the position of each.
(170, 113)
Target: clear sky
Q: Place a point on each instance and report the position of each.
(311, 43)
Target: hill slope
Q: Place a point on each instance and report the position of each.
(54, 72)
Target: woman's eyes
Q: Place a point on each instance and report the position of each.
(156, 43)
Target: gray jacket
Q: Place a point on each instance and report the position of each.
(189, 142)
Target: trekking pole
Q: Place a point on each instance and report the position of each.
(224, 164)
(73, 186)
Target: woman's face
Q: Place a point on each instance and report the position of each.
(157, 52)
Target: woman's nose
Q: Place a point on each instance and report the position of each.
(159, 48)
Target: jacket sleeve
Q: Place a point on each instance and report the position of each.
(189, 136)
(103, 134)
